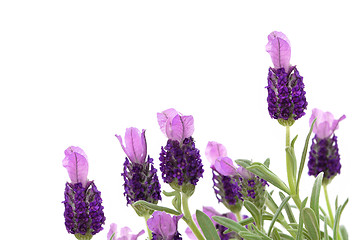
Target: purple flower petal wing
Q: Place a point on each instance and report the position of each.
(164, 119)
(323, 130)
(162, 224)
(135, 145)
(215, 150)
(113, 229)
(336, 122)
(224, 165)
(182, 127)
(76, 164)
(279, 49)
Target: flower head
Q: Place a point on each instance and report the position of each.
(252, 187)
(181, 163)
(83, 213)
(286, 95)
(174, 125)
(140, 175)
(324, 155)
(135, 145)
(125, 233)
(163, 226)
(325, 124)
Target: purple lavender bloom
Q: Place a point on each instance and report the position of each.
(163, 226)
(83, 214)
(324, 155)
(140, 176)
(286, 95)
(252, 187)
(225, 181)
(125, 233)
(181, 163)
(211, 212)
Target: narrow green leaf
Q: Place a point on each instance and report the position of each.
(147, 205)
(254, 211)
(325, 229)
(276, 214)
(272, 205)
(311, 223)
(336, 203)
(261, 234)
(284, 236)
(229, 223)
(293, 141)
(288, 210)
(275, 234)
(336, 224)
(208, 229)
(267, 162)
(303, 157)
(262, 171)
(315, 195)
(249, 236)
(292, 159)
(299, 235)
(344, 233)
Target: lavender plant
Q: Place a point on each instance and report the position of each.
(239, 184)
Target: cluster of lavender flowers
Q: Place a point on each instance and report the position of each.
(237, 185)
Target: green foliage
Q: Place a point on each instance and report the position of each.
(207, 226)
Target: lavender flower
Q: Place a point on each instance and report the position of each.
(211, 212)
(83, 214)
(124, 233)
(163, 226)
(252, 187)
(181, 164)
(324, 155)
(286, 95)
(140, 176)
(226, 183)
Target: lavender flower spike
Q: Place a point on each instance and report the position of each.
(163, 226)
(140, 176)
(286, 95)
(124, 233)
(225, 182)
(324, 155)
(83, 214)
(181, 164)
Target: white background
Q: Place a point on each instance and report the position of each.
(79, 72)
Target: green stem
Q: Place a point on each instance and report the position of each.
(188, 216)
(147, 227)
(328, 204)
(239, 217)
(290, 170)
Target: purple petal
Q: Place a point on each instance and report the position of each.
(279, 49)
(135, 145)
(164, 119)
(181, 128)
(113, 229)
(245, 173)
(162, 224)
(325, 124)
(125, 234)
(76, 164)
(215, 150)
(211, 212)
(224, 165)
